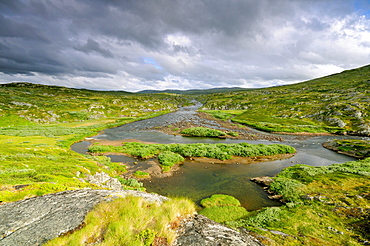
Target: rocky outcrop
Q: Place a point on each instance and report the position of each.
(104, 180)
(36, 220)
(201, 231)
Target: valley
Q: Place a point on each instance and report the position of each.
(324, 196)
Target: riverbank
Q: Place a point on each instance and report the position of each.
(148, 162)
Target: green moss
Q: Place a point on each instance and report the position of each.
(219, 200)
(223, 214)
(222, 208)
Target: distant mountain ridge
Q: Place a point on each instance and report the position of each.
(196, 91)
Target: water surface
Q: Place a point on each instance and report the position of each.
(197, 180)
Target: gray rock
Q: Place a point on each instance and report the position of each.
(264, 181)
(104, 180)
(335, 121)
(37, 220)
(201, 231)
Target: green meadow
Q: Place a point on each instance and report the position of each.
(321, 205)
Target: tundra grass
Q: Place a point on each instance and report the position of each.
(129, 221)
(37, 158)
(325, 206)
(333, 104)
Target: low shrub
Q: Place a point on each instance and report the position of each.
(202, 132)
(217, 151)
(168, 159)
(131, 184)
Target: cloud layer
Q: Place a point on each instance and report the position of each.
(136, 45)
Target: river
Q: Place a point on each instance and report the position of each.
(199, 180)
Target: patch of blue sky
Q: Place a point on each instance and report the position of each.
(362, 7)
(152, 62)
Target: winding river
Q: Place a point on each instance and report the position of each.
(199, 180)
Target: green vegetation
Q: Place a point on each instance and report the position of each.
(141, 174)
(217, 151)
(223, 114)
(219, 200)
(30, 104)
(325, 206)
(202, 132)
(352, 147)
(38, 123)
(129, 221)
(333, 104)
(167, 159)
(222, 208)
(131, 184)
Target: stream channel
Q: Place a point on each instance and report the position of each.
(197, 180)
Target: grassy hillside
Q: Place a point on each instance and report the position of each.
(27, 104)
(337, 103)
(38, 124)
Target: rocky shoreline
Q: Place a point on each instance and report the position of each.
(351, 151)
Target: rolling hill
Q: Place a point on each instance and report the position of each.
(339, 103)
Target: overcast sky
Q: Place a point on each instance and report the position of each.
(134, 45)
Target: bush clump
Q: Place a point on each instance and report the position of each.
(217, 151)
(167, 159)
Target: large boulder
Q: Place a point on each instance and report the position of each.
(201, 231)
(36, 220)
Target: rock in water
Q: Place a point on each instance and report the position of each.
(264, 181)
(37, 220)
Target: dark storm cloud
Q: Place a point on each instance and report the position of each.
(179, 44)
(93, 46)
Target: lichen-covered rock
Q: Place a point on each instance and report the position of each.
(201, 231)
(104, 180)
(37, 220)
